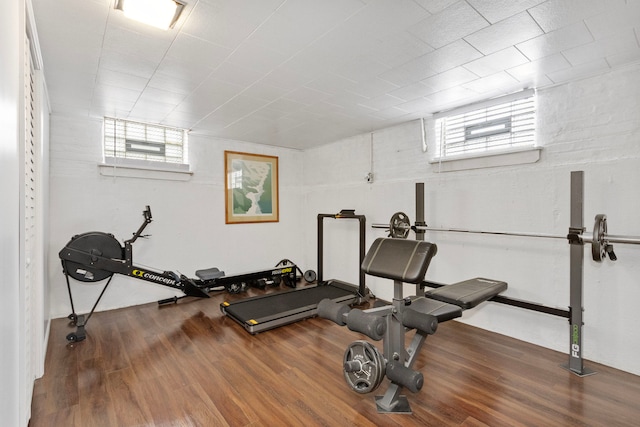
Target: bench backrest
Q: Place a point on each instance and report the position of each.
(399, 259)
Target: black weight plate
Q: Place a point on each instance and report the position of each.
(372, 367)
(98, 243)
(399, 225)
(310, 276)
(598, 243)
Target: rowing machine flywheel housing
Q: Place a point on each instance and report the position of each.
(98, 244)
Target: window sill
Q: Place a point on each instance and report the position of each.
(127, 168)
(487, 160)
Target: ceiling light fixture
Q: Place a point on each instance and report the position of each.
(161, 14)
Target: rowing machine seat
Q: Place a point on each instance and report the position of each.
(209, 273)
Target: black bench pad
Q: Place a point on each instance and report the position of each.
(398, 259)
(469, 293)
(441, 310)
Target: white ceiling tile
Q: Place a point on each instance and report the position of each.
(435, 6)
(228, 23)
(390, 113)
(497, 10)
(419, 105)
(234, 74)
(285, 79)
(286, 106)
(171, 83)
(181, 119)
(398, 48)
(277, 32)
(332, 83)
(150, 112)
(115, 92)
(208, 96)
(412, 91)
(554, 14)
(617, 17)
(116, 78)
(134, 43)
(382, 18)
(127, 64)
(490, 64)
(321, 108)
(265, 91)
(362, 68)
(409, 73)
(556, 41)
(448, 79)
(540, 67)
(578, 72)
(306, 96)
(346, 99)
(342, 44)
(382, 102)
(454, 22)
(256, 57)
(372, 87)
(508, 32)
(322, 14)
(624, 41)
(181, 70)
(237, 108)
(451, 56)
(443, 59)
(498, 83)
(197, 52)
(154, 95)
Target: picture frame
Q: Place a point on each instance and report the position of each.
(251, 188)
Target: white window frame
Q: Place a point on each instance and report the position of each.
(496, 132)
(140, 150)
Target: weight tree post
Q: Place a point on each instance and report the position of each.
(576, 268)
(420, 221)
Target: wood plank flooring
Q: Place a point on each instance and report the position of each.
(189, 365)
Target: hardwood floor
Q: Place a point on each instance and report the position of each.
(189, 365)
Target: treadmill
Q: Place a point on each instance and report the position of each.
(264, 312)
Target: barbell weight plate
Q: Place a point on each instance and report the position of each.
(399, 226)
(598, 241)
(372, 367)
(310, 276)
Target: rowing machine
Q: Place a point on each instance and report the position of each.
(96, 256)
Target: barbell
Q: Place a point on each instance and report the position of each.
(601, 242)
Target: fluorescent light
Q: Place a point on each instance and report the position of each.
(158, 13)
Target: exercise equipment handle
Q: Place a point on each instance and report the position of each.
(147, 220)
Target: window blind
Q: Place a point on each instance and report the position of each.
(141, 141)
(500, 125)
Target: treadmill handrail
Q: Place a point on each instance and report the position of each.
(344, 214)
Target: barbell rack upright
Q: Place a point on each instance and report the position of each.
(576, 269)
(420, 222)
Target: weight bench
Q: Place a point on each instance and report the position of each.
(403, 261)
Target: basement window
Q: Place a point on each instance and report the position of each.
(502, 127)
(131, 148)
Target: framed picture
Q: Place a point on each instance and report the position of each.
(251, 188)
